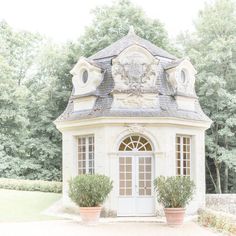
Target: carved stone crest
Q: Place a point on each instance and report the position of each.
(134, 72)
(135, 128)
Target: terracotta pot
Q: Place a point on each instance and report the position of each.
(174, 216)
(90, 214)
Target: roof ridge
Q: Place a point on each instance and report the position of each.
(131, 38)
(149, 42)
(109, 46)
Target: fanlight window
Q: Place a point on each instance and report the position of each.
(135, 143)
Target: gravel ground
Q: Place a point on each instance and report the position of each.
(73, 228)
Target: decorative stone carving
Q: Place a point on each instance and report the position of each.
(123, 100)
(135, 128)
(134, 70)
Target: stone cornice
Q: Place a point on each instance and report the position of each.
(161, 121)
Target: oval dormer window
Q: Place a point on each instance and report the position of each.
(85, 76)
(183, 76)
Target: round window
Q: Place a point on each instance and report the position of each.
(85, 76)
(183, 76)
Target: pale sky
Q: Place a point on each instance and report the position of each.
(66, 19)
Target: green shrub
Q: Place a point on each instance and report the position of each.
(31, 185)
(174, 191)
(218, 221)
(89, 190)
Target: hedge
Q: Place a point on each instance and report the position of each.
(31, 185)
(220, 221)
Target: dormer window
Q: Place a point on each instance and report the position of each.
(83, 71)
(85, 76)
(181, 76)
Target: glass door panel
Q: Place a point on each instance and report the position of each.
(125, 164)
(145, 176)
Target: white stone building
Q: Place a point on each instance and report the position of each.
(134, 115)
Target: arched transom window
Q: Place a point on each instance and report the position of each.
(135, 143)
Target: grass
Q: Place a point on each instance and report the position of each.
(25, 205)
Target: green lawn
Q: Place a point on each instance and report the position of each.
(25, 205)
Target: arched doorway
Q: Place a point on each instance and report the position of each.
(136, 197)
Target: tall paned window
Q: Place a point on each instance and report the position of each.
(86, 155)
(183, 155)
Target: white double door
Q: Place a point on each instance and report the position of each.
(136, 186)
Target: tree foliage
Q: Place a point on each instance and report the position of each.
(110, 23)
(34, 90)
(212, 49)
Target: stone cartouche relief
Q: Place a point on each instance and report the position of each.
(134, 71)
(135, 128)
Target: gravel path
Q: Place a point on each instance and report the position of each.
(73, 228)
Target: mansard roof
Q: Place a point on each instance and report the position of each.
(174, 63)
(104, 97)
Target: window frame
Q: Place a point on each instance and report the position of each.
(81, 169)
(182, 152)
(135, 143)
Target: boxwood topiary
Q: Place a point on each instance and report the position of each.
(174, 191)
(89, 190)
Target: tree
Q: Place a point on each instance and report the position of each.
(212, 49)
(13, 118)
(110, 23)
(19, 49)
(49, 88)
(34, 89)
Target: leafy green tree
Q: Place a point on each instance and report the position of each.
(13, 113)
(34, 88)
(49, 88)
(19, 49)
(110, 23)
(212, 49)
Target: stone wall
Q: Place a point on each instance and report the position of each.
(222, 202)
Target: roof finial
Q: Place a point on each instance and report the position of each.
(131, 31)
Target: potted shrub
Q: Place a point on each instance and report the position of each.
(89, 192)
(174, 193)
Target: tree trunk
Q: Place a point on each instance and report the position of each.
(226, 172)
(211, 177)
(218, 182)
(226, 179)
(234, 182)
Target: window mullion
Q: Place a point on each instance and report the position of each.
(87, 154)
